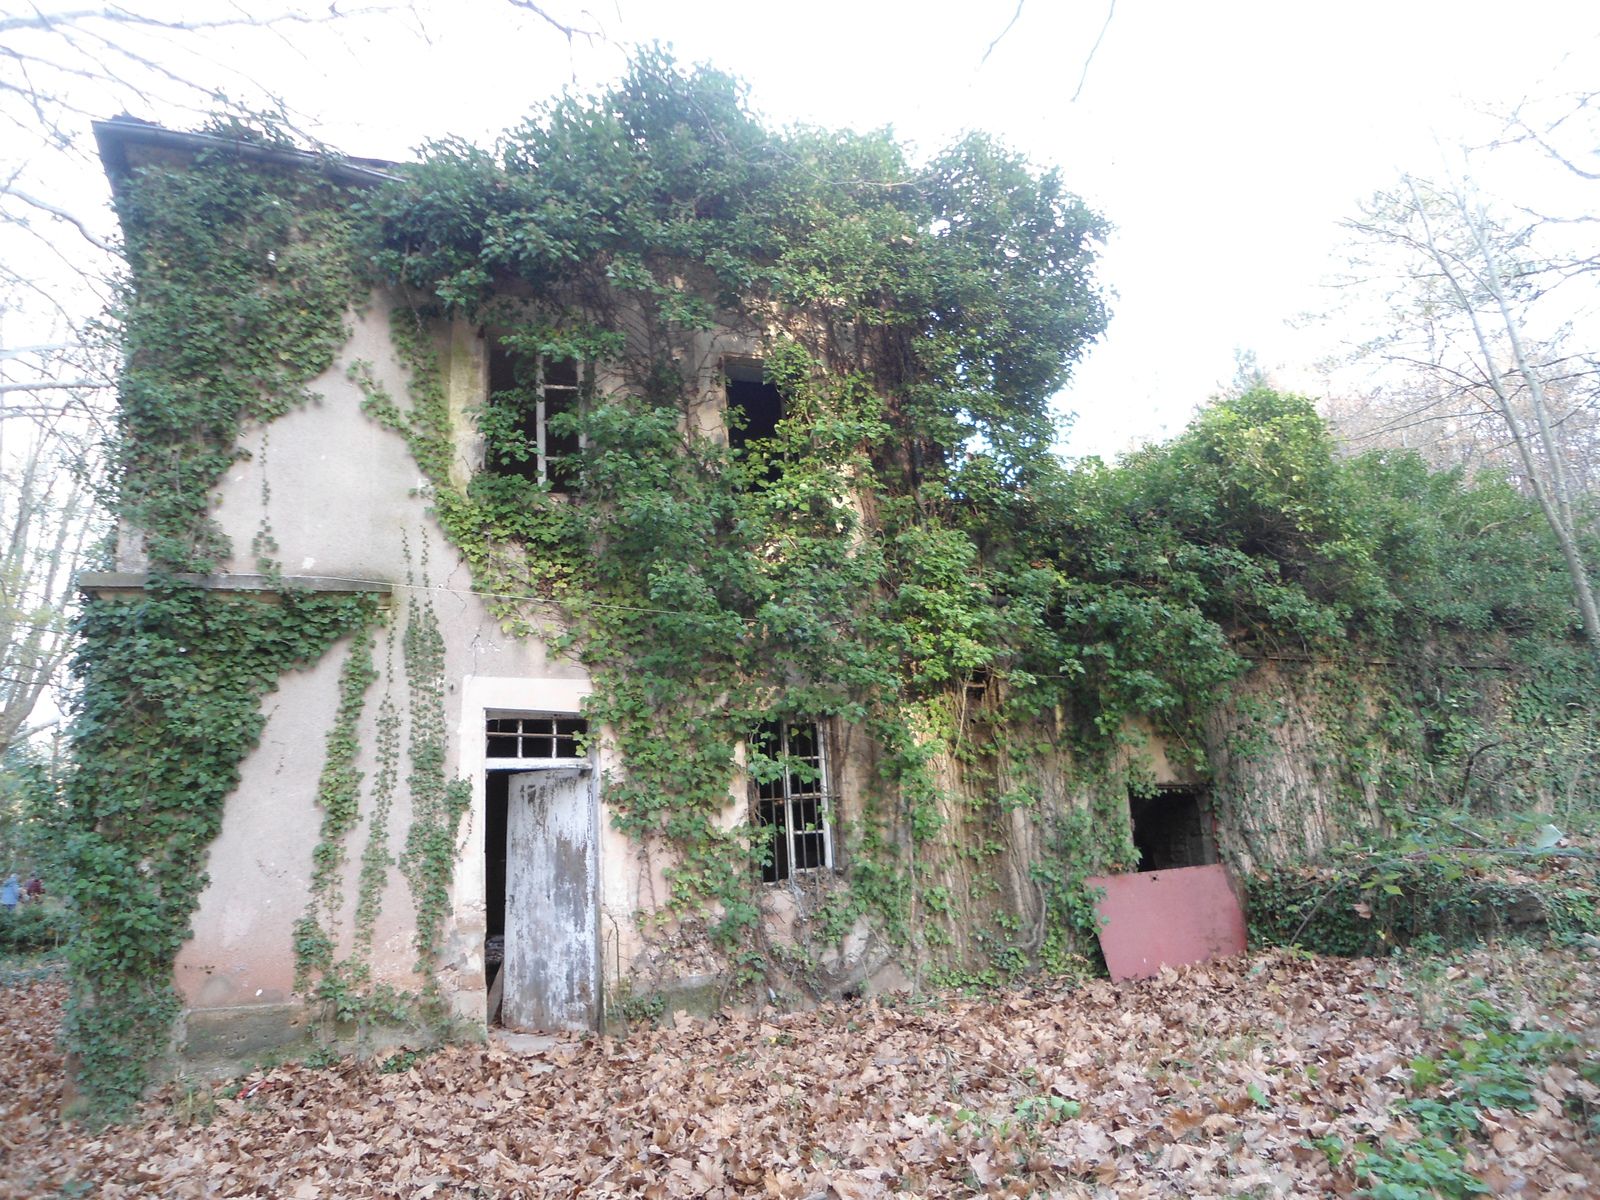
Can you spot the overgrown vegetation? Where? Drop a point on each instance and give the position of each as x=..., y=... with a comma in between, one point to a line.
x=1493, y=1062
x=901, y=554
x=243, y=283
x=1441, y=885
x=33, y=926
x=820, y=572
x=906, y=529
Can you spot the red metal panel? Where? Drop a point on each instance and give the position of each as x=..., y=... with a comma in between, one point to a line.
x=1167, y=918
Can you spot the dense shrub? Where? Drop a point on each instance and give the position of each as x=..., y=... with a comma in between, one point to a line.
x=33, y=927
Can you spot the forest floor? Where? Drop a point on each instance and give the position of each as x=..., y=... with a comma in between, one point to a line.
x=1269, y=1075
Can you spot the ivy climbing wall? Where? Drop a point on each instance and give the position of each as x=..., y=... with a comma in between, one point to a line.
x=344, y=548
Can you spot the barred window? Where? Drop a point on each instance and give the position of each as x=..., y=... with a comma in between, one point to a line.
x=540, y=737
x=789, y=778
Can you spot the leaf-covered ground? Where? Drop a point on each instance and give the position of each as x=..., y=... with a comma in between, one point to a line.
x=1262, y=1076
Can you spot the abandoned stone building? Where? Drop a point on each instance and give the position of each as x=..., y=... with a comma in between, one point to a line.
x=441, y=759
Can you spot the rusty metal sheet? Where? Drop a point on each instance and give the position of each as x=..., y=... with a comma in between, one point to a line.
x=1167, y=918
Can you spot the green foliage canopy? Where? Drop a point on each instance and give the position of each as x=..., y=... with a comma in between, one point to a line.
x=904, y=530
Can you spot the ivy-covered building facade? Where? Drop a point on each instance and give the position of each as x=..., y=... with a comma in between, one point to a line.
x=629, y=571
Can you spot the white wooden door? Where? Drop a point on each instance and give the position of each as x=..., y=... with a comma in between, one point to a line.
x=552, y=954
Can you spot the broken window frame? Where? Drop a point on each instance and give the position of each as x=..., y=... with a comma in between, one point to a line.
x=536, y=468
x=787, y=793
x=533, y=727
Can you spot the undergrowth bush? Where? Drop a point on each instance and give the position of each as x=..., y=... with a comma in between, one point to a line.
x=1434, y=898
x=33, y=927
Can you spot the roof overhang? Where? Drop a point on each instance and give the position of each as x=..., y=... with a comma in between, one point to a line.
x=127, y=142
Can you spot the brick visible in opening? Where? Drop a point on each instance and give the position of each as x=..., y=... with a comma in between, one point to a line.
x=1172, y=828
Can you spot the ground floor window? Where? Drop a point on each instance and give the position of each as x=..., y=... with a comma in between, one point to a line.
x=788, y=767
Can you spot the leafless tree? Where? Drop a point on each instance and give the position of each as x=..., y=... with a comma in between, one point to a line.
x=61, y=68
x=46, y=508
x=1483, y=325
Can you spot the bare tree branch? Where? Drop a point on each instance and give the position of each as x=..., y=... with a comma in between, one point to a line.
x=572, y=31
x=55, y=22
x=61, y=214
x=999, y=37
x=1460, y=287
x=1083, y=77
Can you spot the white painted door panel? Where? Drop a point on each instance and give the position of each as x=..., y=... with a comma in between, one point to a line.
x=552, y=929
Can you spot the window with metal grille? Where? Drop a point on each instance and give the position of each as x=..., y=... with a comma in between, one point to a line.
x=789, y=775
x=526, y=391
x=539, y=738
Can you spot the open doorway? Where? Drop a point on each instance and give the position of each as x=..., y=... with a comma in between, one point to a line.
x=1172, y=828
x=540, y=863
x=496, y=788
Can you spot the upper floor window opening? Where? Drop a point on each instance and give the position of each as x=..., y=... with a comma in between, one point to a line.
x=526, y=393
x=755, y=406
x=789, y=780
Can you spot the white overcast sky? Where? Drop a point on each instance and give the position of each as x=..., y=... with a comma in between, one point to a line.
x=1224, y=140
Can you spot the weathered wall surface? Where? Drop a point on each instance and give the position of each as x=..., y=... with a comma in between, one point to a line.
x=242, y=951
x=340, y=496
x=1283, y=782
x=328, y=491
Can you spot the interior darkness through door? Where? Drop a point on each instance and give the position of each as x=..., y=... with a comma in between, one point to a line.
x=1172, y=828
x=497, y=788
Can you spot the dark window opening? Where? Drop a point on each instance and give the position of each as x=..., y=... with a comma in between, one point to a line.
x=526, y=395
x=978, y=688
x=789, y=771
x=1172, y=828
x=754, y=406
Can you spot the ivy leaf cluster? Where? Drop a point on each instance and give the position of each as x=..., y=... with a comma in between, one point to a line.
x=172, y=685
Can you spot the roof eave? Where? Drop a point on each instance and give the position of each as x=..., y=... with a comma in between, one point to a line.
x=117, y=136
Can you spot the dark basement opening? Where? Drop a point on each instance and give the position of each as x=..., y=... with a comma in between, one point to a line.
x=1172, y=828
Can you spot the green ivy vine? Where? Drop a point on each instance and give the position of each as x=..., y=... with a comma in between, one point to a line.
x=243, y=282
x=172, y=684
x=437, y=801
x=904, y=537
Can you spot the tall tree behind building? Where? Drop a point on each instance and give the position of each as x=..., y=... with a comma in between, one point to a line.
x=1489, y=345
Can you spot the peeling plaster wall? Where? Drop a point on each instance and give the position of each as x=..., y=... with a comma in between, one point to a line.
x=342, y=497
x=242, y=949
x=339, y=496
